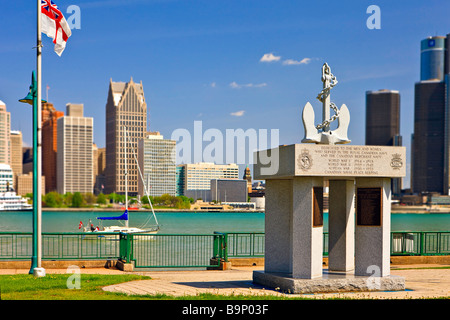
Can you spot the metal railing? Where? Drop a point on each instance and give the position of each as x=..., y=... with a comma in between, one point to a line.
x=172, y=250
x=184, y=250
x=60, y=246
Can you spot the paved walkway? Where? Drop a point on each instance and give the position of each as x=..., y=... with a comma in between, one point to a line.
x=420, y=283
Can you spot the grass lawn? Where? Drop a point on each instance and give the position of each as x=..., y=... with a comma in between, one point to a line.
x=54, y=287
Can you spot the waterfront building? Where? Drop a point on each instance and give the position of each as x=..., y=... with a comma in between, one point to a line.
x=229, y=191
x=248, y=177
x=125, y=107
x=5, y=132
x=25, y=184
x=99, y=169
x=156, y=157
x=430, y=143
x=27, y=159
x=6, y=177
x=75, y=154
x=383, y=124
x=198, y=176
x=50, y=118
x=179, y=173
x=16, y=155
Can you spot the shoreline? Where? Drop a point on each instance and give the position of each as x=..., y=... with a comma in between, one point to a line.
x=407, y=210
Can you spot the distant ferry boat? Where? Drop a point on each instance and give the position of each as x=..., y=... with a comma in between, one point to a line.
x=11, y=201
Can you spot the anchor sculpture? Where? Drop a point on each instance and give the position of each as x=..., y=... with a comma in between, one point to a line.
x=325, y=136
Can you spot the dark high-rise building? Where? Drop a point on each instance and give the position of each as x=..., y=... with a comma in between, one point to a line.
x=430, y=142
x=383, y=123
x=429, y=127
x=382, y=117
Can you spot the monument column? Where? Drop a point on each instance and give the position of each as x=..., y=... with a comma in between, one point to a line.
x=341, y=225
x=373, y=227
x=277, y=235
x=307, y=227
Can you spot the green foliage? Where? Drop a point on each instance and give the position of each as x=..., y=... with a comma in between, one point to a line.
x=77, y=200
x=53, y=200
x=101, y=199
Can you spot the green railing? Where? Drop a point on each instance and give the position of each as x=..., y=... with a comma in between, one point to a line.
x=241, y=244
x=172, y=250
x=60, y=246
x=184, y=250
x=420, y=243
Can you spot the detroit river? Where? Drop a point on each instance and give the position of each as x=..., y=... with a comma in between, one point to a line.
x=196, y=222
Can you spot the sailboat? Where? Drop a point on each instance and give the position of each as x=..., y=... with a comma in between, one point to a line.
x=125, y=217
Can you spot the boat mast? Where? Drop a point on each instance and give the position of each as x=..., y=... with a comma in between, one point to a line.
x=126, y=171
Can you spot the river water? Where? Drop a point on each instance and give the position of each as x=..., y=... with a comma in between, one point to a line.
x=195, y=222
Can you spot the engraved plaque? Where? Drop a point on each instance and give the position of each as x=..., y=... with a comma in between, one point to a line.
x=318, y=207
x=369, y=206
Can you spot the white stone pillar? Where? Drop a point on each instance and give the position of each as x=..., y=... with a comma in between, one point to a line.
x=307, y=239
x=341, y=225
x=278, y=216
x=372, y=234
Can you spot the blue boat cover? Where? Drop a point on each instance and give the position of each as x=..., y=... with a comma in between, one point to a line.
x=124, y=216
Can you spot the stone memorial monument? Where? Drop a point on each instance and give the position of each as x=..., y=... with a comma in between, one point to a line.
x=359, y=222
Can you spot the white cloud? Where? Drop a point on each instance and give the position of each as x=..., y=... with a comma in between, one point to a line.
x=238, y=113
x=235, y=85
x=269, y=57
x=213, y=84
x=289, y=62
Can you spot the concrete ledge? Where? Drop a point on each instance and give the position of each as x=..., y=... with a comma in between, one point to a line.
x=59, y=264
x=123, y=266
x=403, y=260
x=330, y=282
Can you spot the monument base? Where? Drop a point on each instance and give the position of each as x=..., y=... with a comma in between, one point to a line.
x=329, y=283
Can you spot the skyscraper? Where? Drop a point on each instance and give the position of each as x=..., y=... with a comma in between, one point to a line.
x=430, y=142
x=157, y=162
x=75, y=167
x=383, y=118
x=16, y=155
x=50, y=118
x=5, y=132
x=383, y=123
x=125, y=107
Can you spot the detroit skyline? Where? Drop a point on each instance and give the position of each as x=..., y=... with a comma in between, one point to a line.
x=229, y=64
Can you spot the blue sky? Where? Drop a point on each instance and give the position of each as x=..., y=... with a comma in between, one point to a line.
x=200, y=60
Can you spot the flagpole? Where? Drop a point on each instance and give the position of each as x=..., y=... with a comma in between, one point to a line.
x=38, y=271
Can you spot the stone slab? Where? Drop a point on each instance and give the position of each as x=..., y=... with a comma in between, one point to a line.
x=332, y=161
x=330, y=282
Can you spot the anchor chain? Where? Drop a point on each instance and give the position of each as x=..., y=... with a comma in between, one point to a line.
x=326, y=74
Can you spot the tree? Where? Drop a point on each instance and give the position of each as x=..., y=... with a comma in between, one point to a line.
x=53, y=200
x=89, y=198
x=77, y=200
x=67, y=198
x=101, y=199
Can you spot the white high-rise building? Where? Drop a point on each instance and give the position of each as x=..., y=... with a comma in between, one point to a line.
x=198, y=176
x=5, y=132
x=6, y=177
x=75, y=167
x=157, y=162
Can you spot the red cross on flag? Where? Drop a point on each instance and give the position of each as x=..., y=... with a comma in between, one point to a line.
x=54, y=25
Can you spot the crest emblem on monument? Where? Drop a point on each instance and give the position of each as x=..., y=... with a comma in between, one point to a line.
x=321, y=133
x=396, y=161
x=305, y=160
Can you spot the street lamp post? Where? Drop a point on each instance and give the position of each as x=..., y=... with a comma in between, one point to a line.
x=36, y=258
